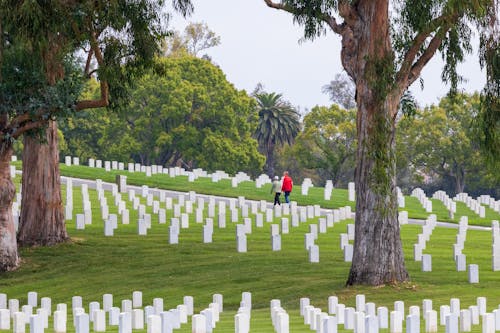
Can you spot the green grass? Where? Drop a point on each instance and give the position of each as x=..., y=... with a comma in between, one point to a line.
x=92, y=265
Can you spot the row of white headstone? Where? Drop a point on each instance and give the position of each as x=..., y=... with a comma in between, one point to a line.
x=422, y=198
x=458, y=256
x=131, y=316
x=363, y=317
x=366, y=317
x=283, y=228
x=472, y=204
x=158, y=169
x=475, y=205
x=181, y=220
x=449, y=203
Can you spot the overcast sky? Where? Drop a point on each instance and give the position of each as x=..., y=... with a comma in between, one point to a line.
x=260, y=44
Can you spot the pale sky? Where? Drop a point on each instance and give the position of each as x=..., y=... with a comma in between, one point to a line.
x=260, y=44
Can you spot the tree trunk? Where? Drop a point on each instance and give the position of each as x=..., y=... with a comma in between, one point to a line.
x=459, y=180
x=42, y=215
x=270, y=160
x=378, y=255
x=9, y=259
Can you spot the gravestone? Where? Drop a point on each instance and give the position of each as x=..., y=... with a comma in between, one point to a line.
x=444, y=311
x=383, y=317
x=465, y=320
x=285, y=229
x=426, y=263
x=173, y=233
x=430, y=318
x=241, y=323
x=360, y=302
x=241, y=243
x=396, y=322
x=4, y=319
x=314, y=254
x=349, y=318
x=99, y=321
x=60, y=321
x=114, y=316
x=340, y=313
x=473, y=273
x=359, y=322
x=82, y=323
x=371, y=324
x=276, y=242
x=207, y=233
x=412, y=324
x=460, y=262
x=199, y=324
x=259, y=220
x=348, y=251
x=18, y=322
x=451, y=324
x=125, y=322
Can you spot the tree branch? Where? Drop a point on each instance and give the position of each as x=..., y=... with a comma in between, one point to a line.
x=104, y=100
x=410, y=70
x=416, y=69
x=330, y=20
x=87, y=71
x=28, y=126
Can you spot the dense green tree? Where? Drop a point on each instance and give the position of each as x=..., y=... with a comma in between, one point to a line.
x=279, y=124
x=440, y=146
x=183, y=113
x=327, y=143
x=385, y=46
x=118, y=37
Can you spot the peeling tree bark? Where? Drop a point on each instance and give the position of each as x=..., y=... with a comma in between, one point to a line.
x=9, y=259
x=42, y=220
x=378, y=255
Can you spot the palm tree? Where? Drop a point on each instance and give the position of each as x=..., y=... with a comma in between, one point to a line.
x=278, y=124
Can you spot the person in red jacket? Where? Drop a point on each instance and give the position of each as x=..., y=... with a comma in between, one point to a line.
x=286, y=186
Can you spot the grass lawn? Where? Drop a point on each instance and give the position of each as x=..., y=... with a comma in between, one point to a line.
x=92, y=265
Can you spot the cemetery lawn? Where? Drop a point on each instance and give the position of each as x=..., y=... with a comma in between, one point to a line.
x=248, y=189
x=92, y=265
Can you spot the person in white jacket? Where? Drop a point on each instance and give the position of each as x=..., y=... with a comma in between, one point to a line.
x=276, y=189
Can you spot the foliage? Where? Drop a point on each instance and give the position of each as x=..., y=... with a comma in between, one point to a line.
x=196, y=38
x=327, y=144
x=488, y=120
x=24, y=89
x=440, y=144
x=183, y=112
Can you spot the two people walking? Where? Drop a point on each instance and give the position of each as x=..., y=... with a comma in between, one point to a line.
x=285, y=186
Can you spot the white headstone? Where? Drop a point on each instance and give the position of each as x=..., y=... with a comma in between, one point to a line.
x=473, y=273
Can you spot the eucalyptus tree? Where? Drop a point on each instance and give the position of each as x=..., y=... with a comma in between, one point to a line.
x=385, y=46
x=278, y=124
x=118, y=39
